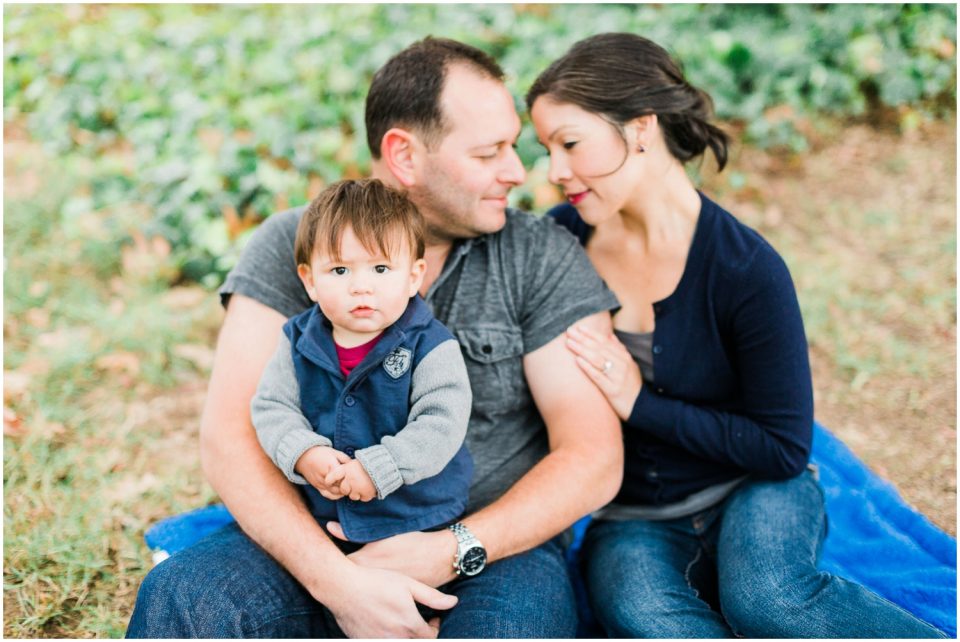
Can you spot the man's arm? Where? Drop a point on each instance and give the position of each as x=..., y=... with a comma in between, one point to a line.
x=271, y=511
x=581, y=473
x=583, y=469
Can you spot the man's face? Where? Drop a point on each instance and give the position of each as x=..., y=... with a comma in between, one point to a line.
x=463, y=181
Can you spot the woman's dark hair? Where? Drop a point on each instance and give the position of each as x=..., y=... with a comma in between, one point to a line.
x=622, y=76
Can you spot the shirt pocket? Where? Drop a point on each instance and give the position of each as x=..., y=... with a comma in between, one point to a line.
x=494, y=358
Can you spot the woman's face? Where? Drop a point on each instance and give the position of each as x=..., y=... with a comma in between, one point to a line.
x=589, y=158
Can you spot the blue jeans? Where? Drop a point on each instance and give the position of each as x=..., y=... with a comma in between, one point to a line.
x=746, y=567
x=226, y=586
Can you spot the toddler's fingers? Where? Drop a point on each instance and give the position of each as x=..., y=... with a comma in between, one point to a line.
x=335, y=475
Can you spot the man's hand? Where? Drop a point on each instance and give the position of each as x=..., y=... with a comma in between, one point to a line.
x=352, y=481
x=382, y=604
x=316, y=464
x=426, y=557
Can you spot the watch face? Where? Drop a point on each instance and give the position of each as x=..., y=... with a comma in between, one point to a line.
x=473, y=561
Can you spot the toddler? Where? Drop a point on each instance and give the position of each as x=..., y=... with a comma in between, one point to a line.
x=367, y=396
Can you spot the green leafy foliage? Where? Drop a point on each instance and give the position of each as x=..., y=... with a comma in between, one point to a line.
x=213, y=117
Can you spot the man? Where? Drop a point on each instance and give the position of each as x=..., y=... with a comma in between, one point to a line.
x=547, y=448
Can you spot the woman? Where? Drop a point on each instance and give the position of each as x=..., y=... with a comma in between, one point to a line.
x=718, y=525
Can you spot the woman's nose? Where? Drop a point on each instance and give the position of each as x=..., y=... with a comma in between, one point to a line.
x=559, y=171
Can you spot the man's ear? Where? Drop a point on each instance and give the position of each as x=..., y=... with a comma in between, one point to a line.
x=306, y=277
x=417, y=272
x=399, y=149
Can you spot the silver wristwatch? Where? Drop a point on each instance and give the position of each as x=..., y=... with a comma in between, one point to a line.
x=471, y=557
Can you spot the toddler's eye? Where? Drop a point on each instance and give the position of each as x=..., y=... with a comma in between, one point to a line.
x=339, y=271
x=381, y=269
x=570, y=144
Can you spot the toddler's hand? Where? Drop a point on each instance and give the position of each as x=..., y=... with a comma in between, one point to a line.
x=353, y=481
x=316, y=463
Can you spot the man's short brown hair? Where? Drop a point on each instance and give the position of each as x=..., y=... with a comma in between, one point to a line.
x=380, y=216
x=405, y=91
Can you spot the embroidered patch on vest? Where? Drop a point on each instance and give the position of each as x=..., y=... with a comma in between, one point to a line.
x=398, y=362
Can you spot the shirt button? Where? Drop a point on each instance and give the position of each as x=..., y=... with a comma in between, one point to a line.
x=486, y=349
x=349, y=400
x=660, y=390
x=657, y=349
x=652, y=474
x=349, y=450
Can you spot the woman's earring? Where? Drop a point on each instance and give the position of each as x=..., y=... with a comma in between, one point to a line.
x=641, y=148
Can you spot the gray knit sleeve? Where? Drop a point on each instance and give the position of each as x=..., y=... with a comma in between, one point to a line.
x=283, y=431
x=440, y=402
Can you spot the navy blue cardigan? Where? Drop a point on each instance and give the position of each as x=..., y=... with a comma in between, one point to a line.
x=731, y=392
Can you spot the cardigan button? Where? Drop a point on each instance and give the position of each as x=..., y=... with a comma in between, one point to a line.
x=657, y=349
x=660, y=390
x=349, y=400
x=349, y=450
x=657, y=308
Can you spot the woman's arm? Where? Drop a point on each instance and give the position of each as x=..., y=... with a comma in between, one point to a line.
x=773, y=433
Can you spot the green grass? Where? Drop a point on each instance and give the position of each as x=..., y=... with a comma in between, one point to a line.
x=88, y=346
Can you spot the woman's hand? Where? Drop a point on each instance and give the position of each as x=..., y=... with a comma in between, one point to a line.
x=608, y=364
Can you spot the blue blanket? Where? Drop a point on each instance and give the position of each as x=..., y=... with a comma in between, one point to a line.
x=874, y=538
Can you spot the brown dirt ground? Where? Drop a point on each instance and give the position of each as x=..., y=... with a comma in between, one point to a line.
x=867, y=223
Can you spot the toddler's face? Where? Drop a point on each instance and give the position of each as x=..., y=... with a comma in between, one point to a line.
x=362, y=293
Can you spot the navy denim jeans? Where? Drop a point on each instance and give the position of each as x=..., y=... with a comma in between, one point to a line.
x=744, y=568
x=226, y=586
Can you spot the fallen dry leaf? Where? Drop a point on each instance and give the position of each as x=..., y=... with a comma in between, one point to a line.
x=545, y=195
x=15, y=384
x=12, y=426
x=122, y=361
x=184, y=298
x=315, y=185
x=35, y=366
x=38, y=288
x=49, y=429
x=38, y=318
x=131, y=486
x=64, y=336
x=145, y=257
x=198, y=354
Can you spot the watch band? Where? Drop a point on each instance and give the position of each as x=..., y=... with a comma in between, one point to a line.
x=463, y=533
x=471, y=556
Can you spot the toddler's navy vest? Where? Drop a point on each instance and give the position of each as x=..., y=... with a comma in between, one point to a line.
x=373, y=402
